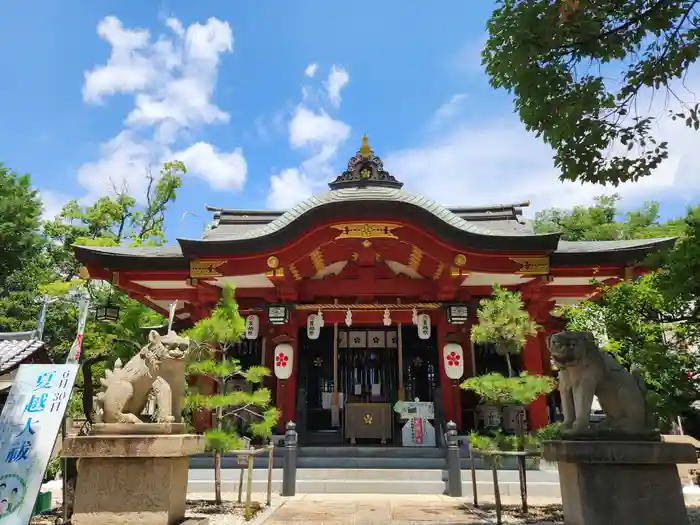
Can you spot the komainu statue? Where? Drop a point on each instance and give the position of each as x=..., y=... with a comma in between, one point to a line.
x=158, y=367
x=586, y=371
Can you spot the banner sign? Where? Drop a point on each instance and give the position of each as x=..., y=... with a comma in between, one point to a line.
x=77, y=348
x=29, y=424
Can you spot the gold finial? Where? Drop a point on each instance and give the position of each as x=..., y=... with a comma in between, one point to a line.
x=365, y=150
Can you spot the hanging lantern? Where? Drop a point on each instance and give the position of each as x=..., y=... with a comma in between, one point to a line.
x=453, y=357
x=348, y=318
x=252, y=327
x=284, y=361
x=387, y=317
x=424, y=326
x=313, y=326
x=107, y=313
x=278, y=314
x=457, y=313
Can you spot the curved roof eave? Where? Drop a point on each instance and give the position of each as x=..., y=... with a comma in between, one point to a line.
x=158, y=258
x=369, y=203
x=613, y=253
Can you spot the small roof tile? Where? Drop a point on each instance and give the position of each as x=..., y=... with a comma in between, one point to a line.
x=14, y=351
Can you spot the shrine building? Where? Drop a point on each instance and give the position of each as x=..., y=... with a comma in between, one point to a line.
x=365, y=295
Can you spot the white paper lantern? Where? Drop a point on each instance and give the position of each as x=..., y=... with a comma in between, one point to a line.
x=252, y=327
x=423, y=326
x=453, y=357
x=284, y=361
x=313, y=326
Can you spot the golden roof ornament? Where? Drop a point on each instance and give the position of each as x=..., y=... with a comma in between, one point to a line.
x=365, y=169
x=365, y=150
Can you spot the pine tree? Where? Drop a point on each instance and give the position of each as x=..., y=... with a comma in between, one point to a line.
x=215, y=336
x=504, y=322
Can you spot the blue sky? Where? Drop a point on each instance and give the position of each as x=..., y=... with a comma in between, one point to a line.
x=265, y=101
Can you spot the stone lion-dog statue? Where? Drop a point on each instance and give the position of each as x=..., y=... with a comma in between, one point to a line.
x=159, y=367
x=586, y=371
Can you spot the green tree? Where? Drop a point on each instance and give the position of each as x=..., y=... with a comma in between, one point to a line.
x=216, y=335
x=20, y=218
x=504, y=323
x=113, y=221
x=576, y=69
x=601, y=222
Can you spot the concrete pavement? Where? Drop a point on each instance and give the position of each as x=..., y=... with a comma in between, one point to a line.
x=366, y=509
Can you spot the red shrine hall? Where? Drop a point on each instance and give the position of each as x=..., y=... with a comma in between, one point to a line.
x=361, y=299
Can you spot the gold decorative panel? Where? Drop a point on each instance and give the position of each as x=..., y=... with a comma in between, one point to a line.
x=273, y=262
x=366, y=230
x=203, y=268
x=438, y=271
x=415, y=258
x=316, y=257
x=295, y=272
x=533, y=265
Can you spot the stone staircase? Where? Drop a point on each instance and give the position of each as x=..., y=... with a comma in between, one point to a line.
x=378, y=470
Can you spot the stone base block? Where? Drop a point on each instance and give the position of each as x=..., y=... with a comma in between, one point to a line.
x=131, y=479
x=620, y=483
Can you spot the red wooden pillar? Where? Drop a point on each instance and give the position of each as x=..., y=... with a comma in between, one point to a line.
x=451, y=398
x=532, y=362
x=534, y=355
x=287, y=388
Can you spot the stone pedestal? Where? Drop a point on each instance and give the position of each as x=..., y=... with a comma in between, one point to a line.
x=620, y=482
x=126, y=479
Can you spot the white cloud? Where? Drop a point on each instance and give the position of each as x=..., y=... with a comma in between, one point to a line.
x=223, y=171
x=337, y=80
x=310, y=70
x=288, y=188
x=498, y=161
x=171, y=79
x=315, y=132
x=52, y=202
x=315, y=128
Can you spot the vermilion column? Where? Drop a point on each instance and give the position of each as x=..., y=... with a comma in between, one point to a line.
x=532, y=362
x=451, y=398
x=287, y=388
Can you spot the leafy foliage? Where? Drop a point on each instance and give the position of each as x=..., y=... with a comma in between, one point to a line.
x=499, y=441
x=20, y=216
x=600, y=222
x=576, y=69
x=504, y=322
x=496, y=389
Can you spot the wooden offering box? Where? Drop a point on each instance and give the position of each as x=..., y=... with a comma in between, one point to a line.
x=368, y=421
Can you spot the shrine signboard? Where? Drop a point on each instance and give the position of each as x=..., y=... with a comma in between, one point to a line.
x=29, y=425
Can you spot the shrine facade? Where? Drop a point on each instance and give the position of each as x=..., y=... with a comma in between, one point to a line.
x=364, y=296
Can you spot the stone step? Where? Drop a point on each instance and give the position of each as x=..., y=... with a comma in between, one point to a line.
x=372, y=452
x=536, y=489
x=376, y=475
x=338, y=458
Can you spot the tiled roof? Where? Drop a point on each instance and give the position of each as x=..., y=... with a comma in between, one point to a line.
x=608, y=246
x=254, y=227
x=237, y=224
x=14, y=350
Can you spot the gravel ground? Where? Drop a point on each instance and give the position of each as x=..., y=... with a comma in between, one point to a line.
x=228, y=513
x=198, y=506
